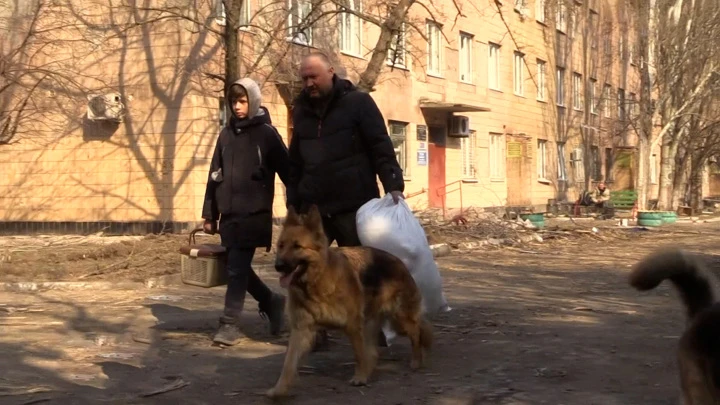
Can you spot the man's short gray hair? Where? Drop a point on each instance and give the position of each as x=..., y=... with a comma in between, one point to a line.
x=320, y=55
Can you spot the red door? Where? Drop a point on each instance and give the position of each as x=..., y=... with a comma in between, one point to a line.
x=436, y=169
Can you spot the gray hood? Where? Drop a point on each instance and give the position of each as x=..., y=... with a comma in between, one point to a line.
x=254, y=96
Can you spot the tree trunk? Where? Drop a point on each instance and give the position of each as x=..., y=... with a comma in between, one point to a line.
x=388, y=30
x=696, y=182
x=668, y=152
x=681, y=176
x=646, y=18
x=231, y=38
x=643, y=171
x=588, y=163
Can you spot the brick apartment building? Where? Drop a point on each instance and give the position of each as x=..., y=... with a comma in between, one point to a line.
x=497, y=101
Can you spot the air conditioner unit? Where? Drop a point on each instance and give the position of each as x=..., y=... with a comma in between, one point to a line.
x=105, y=107
x=459, y=126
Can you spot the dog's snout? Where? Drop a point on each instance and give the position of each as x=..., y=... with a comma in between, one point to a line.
x=280, y=264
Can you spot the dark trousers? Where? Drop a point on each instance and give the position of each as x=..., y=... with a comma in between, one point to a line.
x=342, y=229
x=241, y=276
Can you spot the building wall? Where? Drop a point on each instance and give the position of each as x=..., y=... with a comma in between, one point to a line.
x=150, y=167
x=399, y=92
x=154, y=165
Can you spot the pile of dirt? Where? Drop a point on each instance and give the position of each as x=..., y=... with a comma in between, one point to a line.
x=93, y=258
x=474, y=229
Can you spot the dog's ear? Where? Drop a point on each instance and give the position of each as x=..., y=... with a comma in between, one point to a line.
x=292, y=217
x=313, y=219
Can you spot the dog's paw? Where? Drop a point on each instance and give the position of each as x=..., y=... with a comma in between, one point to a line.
x=274, y=393
x=357, y=381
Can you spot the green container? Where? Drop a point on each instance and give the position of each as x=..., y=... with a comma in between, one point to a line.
x=669, y=217
x=652, y=215
x=537, y=219
x=650, y=222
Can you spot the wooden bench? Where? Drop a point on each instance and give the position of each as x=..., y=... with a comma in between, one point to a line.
x=623, y=199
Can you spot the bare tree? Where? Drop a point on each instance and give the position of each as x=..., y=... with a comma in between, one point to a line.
x=688, y=67
x=700, y=147
x=34, y=84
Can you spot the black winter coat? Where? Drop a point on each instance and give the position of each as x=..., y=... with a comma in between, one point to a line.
x=249, y=152
x=335, y=156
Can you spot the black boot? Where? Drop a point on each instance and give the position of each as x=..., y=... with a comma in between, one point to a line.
x=274, y=312
x=229, y=333
x=382, y=342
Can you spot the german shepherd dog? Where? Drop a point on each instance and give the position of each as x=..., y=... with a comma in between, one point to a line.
x=353, y=289
x=699, y=349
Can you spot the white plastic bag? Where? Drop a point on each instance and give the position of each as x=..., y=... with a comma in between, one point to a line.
x=391, y=227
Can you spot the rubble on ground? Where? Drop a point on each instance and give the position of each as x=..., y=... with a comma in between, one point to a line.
x=474, y=229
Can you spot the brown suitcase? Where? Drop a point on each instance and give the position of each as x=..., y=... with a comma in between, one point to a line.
x=202, y=265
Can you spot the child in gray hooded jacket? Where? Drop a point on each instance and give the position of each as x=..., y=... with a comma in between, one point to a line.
x=240, y=193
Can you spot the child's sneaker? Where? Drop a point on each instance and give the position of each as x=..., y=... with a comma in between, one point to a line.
x=229, y=333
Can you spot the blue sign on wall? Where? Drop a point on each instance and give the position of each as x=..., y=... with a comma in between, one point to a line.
x=422, y=158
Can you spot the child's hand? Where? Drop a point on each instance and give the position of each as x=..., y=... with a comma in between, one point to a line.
x=210, y=227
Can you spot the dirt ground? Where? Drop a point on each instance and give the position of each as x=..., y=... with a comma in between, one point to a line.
x=550, y=322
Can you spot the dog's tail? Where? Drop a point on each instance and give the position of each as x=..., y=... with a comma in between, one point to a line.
x=685, y=272
x=426, y=334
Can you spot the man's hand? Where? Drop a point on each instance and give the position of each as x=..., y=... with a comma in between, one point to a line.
x=396, y=196
x=210, y=227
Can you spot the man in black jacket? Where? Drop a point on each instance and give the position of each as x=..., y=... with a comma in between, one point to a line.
x=240, y=193
x=339, y=145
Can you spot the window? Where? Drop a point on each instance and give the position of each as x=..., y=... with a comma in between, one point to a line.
x=467, y=146
x=621, y=46
x=494, y=66
x=351, y=29
x=222, y=112
x=541, y=79
x=434, y=51
x=300, y=32
x=592, y=91
x=621, y=104
x=497, y=161
x=540, y=10
x=560, y=86
x=633, y=106
x=578, y=166
x=396, y=53
x=466, y=41
x=220, y=16
x=561, y=17
x=542, y=159
x=609, y=162
x=607, y=103
x=577, y=91
x=596, y=163
x=593, y=29
x=608, y=34
x=561, y=169
x=398, y=136
x=561, y=122
x=653, y=169
x=519, y=71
